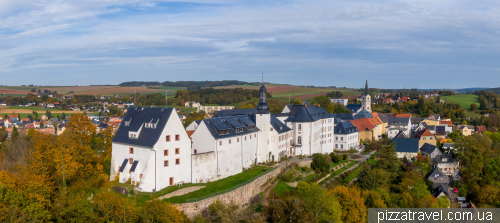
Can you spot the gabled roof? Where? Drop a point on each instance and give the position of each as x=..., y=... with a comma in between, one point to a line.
x=423, y=132
x=438, y=190
x=383, y=118
x=278, y=125
x=345, y=128
x=428, y=148
x=448, y=123
x=303, y=113
x=230, y=123
x=480, y=128
x=406, y=145
x=189, y=133
x=136, y=117
x=343, y=116
x=403, y=115
x=401, y=135
x=399, y=120
x=353, y=107
x=362, y=124
x=445, y=158
x=435, y=173
x=363, y=114
x=415, y=120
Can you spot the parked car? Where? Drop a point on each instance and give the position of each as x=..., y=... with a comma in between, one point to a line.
x=455, y=190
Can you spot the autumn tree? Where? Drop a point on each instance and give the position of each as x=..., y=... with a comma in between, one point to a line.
x=352, y=203
x=325, y=207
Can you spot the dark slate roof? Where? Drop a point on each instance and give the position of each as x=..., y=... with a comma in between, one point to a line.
x=439, y=189
x=428, y=148
x=439, y=158
x=398, y=120
x=440, y=129
x=383, y=118
x=137, y=116
x=433, y=173
x=233, y=112
x=415, y=120
x=302, y=113
x=363, y=114
x=122, y=167
x=353, y=107
x=406, y=145
x=345, y=128
x=134, y=165
x=401, y=134
x=197, y=121
x=343, y=116
x=214, y=125
x=278, y=125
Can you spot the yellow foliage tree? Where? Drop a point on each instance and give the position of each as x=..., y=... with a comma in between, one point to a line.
x=352, y=203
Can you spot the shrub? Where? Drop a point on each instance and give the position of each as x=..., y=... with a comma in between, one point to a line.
x=317, y=171
x=257, y=199
x=323, y=174
x=304, y=168
x=319, y=161
x=287, y=177
x=335, y=158
x=344, y=157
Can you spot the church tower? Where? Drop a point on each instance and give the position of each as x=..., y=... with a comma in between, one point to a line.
x=366, y=100
x=263, y=122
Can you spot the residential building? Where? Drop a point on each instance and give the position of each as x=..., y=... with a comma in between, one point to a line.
x=425, y=136
x=192, y=104
x=213, y=109
x=430, y=151
x=449, y=146
x=398, y=124
x=435, y=117
x=438, y=178
x=346, y=136
x=193, y=126
x=340, y=101
x=365, y=129
x=447, y=164
x=465, y=130
x=406, y=147
x=480, y=128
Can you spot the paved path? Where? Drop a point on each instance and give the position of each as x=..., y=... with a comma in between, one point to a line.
x=361, y=161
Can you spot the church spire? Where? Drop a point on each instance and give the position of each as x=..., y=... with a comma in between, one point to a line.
x=366, y=87
x=263, y=106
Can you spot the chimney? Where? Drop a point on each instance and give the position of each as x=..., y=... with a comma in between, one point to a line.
x=306, y=106
x=318, y=105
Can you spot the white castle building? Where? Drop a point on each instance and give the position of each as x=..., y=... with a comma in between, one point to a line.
x=152, y=148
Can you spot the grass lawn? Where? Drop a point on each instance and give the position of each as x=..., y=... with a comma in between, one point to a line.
x=171, y=88
x=353, y=175
x=470, y=114
x=220, y=185
x=13, y=95
x=337, y=172
x=464, y=100
x=281, y=187
x=310, y=177
x=372, y=161
x=23, y=115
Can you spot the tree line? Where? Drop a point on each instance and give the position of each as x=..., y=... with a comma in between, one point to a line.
x=188, y=84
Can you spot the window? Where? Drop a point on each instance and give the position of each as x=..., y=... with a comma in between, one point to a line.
x=140, y=176
x=431, y=138
x=254, y=135
x=176, y=150
x=229, y=141
x=177, y=161
x=424, y=138
x=300, y=126
x=220, y=143
x=130, y=161
x=246, y=138
x=165, y=152
x=165, y=163
x=341, y=138
x=168, y=138
x=237, y=139
x=195, y=151
x=177, y=137
x=171, y=181
x=131, y=150
x=336, y=138
x=250, y=136
x=271, y=129
x=341, y=146
x=132, y=136
x=299, y=140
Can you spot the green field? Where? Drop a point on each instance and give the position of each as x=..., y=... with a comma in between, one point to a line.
x=34, y=108
x=281, y=187
x=464, y=100
x=171, y=88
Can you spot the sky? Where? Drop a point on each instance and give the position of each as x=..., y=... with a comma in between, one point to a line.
x=392, y=43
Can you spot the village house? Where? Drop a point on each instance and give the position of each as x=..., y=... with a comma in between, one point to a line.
x=465, y=130
x=192, y=104
x=439, y=179
x=430, y=151
x=406, y=147
x=346, y=135
x=397, y=124
x=447, y=164
x=425, y=136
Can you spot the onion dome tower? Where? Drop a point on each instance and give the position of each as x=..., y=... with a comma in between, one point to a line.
x=262, y=106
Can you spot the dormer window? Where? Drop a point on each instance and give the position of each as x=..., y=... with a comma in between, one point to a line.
x=127, y=123
x=445, y=159
x=133, y=136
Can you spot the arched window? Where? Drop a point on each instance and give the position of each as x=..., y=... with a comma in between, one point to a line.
x=299, y=140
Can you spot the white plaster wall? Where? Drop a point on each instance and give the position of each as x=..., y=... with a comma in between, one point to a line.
x=203, y=141
x=182, y=172
x=192, y=126
x=249, y=149
x=229, y=157
x=120, y=152
x=204, y=167
x=346, y=140
x=263, y=122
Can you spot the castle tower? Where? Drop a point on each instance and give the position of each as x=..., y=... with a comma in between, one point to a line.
x=366, y=100
x=262, y=106
x=263, y=122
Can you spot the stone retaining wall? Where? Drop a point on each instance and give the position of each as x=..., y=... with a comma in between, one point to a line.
x=305, y=162
x=181, y=192
x=240, y=196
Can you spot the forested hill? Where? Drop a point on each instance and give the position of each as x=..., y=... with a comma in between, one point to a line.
x=188, y=84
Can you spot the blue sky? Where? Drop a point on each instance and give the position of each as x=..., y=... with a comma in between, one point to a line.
x=393, y=43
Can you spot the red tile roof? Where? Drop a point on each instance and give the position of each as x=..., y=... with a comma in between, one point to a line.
x=424, y=132
x=480, y=128
x=362, y=124
x=190, y=132
x=403, y=115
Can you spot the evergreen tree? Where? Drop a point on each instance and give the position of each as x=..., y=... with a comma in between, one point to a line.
x=366, y=179
x=319, y=162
